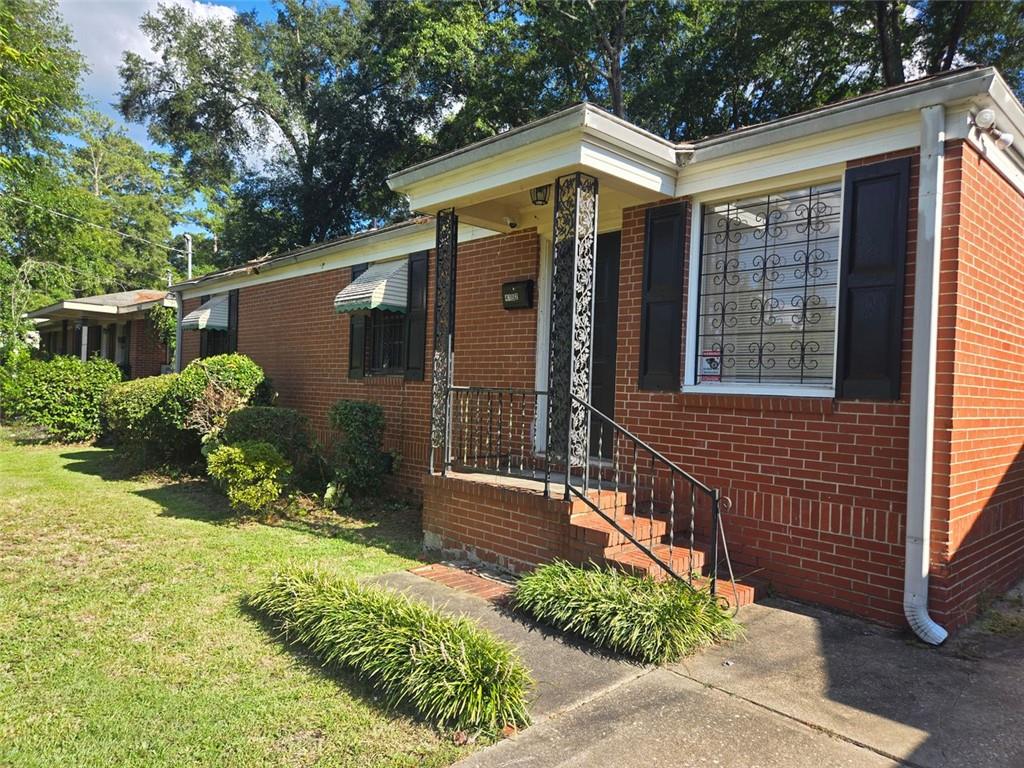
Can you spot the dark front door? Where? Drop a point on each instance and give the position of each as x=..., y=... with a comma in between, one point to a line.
x=606, y=315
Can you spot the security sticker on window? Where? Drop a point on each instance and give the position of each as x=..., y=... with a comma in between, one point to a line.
x=711, y=365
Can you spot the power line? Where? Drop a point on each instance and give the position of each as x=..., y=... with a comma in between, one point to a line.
x=97, y=226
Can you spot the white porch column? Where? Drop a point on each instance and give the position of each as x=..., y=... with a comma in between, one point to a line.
x=84, y=345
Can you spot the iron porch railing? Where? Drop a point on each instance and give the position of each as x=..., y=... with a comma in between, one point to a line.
x=623, y=479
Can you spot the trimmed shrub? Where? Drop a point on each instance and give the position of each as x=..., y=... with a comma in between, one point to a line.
x=253, y=474
x=284, y=428
x=359, y=461
x=210, y=388
x=62, y=395
x=653, y=622
x=132, y=410
x=143, y=414
x=448, y=670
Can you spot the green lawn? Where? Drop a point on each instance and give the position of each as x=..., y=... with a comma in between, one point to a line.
x=123, y=641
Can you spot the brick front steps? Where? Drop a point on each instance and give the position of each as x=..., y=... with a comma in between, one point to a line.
x=593, y=539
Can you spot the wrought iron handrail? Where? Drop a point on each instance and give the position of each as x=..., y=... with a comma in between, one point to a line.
x=597, y=472
x=494, y=430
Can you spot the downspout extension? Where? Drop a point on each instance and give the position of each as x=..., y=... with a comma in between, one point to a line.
x=177, y=332
x=922, y=378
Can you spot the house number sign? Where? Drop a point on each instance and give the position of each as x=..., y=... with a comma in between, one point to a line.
x=517, y=295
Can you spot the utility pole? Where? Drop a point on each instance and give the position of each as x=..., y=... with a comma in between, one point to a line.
x=188, y=253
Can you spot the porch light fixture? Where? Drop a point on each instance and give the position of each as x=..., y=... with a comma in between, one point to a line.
x=985, y=120
x=540, y=195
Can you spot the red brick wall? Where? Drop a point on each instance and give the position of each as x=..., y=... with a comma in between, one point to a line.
x=495, y=347
x=189, y=339
x=513, y=529
x=290, y=328
x=980, y=525
x=146, y=354
x=818, y=486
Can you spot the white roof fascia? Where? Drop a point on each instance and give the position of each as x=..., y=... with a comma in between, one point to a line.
x=386, y=245
x=912, y=98
x=582, y=136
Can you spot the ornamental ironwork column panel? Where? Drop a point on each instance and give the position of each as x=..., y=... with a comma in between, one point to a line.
x=447, y=238
x=574, y=252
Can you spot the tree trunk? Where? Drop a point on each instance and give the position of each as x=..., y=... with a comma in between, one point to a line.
x=963, y=10
x=890, y=47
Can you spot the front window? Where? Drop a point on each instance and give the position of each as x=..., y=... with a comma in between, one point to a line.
x=386, y=334
x=768, y=289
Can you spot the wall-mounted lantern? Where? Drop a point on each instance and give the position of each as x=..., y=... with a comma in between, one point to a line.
x=539, y=195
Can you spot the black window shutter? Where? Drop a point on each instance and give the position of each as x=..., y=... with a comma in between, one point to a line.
x=202, y=333
x=416, y=316
x=357, y=336
x=874, y=255
x=233, y=321
x=661, y=316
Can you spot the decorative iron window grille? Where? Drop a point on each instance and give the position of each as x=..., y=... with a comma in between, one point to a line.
x=386, y=337
x=769, y=277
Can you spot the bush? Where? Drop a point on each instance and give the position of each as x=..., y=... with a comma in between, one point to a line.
x=62, y=395
x=284, y=428
x=253, y=473
x=143, y=414
x=131, y=410
x=653, y=622
x=448, y=670
x=210, y=388
x=360, y=464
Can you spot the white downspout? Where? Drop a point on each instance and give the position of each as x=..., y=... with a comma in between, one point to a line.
x=922, y=377
x=177, y=332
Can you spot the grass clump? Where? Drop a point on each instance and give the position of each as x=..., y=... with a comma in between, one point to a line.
x=653, y=622
x=448, y=670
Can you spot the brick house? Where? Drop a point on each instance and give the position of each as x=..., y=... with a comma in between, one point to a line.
x=114, y=326
x=798, y=339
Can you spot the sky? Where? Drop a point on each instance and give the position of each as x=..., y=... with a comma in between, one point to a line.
x=104, y=29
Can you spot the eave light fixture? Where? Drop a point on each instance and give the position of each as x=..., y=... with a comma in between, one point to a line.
x=540, y=195
x=985, y=121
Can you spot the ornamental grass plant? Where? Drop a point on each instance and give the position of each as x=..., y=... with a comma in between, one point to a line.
x=447, y=670
x=650, y=621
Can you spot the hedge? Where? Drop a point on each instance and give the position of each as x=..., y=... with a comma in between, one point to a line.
x=253, y=473
x=62, y=395
x=651, y=621
x=144, y=415
x=284, y=428
x=448, y=670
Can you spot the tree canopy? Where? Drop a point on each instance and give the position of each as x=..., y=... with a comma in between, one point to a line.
x=279, y=130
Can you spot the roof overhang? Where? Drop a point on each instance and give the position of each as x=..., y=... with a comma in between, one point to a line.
x=584, y=138
x=374, y=245
x=70, y=309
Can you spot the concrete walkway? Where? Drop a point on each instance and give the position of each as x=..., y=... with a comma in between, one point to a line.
x=804, y=688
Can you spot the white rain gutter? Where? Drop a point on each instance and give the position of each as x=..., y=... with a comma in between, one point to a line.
x=922, y=377
x=179, y=306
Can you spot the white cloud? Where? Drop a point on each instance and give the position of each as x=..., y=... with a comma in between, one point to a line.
x=105, y=29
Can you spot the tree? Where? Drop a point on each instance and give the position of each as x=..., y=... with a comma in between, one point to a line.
x=39, y=71
x=320, y=85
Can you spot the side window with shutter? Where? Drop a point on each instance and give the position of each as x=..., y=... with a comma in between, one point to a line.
x=357, y=337
x=874, y=251
x=416, y=316
x=661, y=313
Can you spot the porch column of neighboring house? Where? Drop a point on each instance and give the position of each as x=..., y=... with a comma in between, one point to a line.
x=446, y=245
x=84, y=340
x=574, y=253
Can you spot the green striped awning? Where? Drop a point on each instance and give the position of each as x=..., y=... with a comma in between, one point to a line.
x=211, y=316
x=382, y=286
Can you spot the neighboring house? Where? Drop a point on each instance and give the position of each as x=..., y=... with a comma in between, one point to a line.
x=817, y=318
x=113, y=326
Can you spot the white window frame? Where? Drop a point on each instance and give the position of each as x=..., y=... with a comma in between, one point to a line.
x=697, y=203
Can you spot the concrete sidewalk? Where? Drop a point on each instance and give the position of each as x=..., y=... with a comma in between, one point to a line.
x=805, y=687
